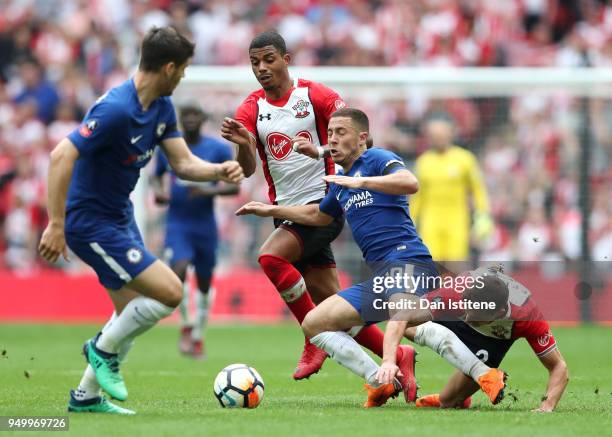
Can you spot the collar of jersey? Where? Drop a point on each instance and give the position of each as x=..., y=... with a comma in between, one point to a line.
x=354, y=164
x=282, y=101
x=135, y=95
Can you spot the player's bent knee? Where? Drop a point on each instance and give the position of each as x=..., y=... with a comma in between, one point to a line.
x=175, y=293
x=268, y=259
x=172, y=292
x=308, y=327
x=319, y=294
x=451, y=402
x=311, y=325
x=455, y=398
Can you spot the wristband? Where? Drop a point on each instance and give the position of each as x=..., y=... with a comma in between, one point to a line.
x=321, y=151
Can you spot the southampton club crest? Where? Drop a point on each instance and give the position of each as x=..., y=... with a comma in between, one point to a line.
x=301, y=109
x=544, y=339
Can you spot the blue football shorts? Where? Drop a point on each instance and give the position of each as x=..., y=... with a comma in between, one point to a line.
x=198, y=247
x=116, y=253
x=413, y=276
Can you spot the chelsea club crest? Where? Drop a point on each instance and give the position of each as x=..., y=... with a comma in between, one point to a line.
x=161, y=127
x=134, y=255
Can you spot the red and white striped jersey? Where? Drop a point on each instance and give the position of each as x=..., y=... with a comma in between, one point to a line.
x=293, y=178
x=523, y=318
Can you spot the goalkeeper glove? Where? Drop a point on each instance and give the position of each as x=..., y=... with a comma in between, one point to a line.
x=482, y=227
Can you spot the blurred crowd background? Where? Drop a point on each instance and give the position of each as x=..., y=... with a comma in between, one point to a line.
x=57, y=56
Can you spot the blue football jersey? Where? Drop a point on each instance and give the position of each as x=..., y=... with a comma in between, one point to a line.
x=116, y=139
x=184, y=207
x=380, y=223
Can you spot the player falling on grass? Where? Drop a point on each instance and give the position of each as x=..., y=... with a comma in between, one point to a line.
x=191, y=230
x=372, y=194
x=91, y=175
x=296, y=258
x=490, y=333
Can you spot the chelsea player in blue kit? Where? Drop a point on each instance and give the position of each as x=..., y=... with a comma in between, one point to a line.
x=371, y=194
x=91, y=175
x=191, y=229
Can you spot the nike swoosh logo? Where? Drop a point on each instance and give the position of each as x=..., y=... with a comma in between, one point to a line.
x=135, y=139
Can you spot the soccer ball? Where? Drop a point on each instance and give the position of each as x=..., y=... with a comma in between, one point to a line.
x=238, y=386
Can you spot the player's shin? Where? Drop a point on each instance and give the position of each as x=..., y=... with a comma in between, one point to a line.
x=88, y=387
x=138, y=316
x=370, y=337
x=446, y=344
x=201, y=319
x=289, y=283
x=184, y=306
x=347, y=352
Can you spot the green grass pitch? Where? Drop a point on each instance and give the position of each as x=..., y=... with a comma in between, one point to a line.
x=173, y=395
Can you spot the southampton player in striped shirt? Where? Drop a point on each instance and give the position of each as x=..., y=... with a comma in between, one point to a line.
x=371, y=194
x=91, y=175
x=285, y=122
x=491, y=333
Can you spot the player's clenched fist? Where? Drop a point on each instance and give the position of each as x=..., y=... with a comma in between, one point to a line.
x=256, y=208
x=230, y=171
x=53, y=243
x=305, y=147
x=235, y=132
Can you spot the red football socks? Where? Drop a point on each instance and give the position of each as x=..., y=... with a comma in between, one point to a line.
x=287, y=280
x=371, y=337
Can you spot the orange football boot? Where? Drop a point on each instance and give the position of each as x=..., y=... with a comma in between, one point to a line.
x=429, y=401
x=493, y=384
x=378, y=396
x=433, y=401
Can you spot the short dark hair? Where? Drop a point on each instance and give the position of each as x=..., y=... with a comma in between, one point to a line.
x=269, y=38
x=162, y=45
x=192, y=107
x=491, y=289
x=359, y=118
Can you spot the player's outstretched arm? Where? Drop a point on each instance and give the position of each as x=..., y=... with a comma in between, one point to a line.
x=61, y=164
x=309, y=215
x=235, y=132
x=397, y=183
x=393, y=336
x=558, y=377
x=189, y=167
